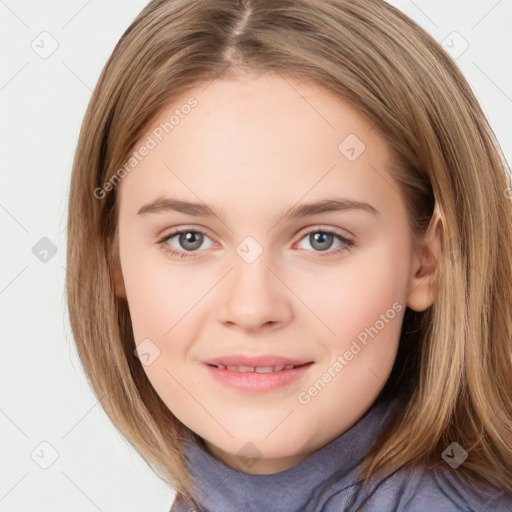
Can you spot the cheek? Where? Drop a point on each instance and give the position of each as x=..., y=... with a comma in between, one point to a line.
x=355, y=295
x=159, y=293
x=160, y=305
x=161, y=302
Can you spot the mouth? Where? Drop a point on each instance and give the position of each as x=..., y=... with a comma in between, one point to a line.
x=258, y=369
x=266, y=373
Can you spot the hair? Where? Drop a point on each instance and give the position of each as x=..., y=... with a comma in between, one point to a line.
x=454, y=361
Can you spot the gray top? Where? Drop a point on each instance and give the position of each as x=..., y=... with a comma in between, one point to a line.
x=327, y=481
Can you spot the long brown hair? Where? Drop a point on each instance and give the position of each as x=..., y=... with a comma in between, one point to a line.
x=455, y=358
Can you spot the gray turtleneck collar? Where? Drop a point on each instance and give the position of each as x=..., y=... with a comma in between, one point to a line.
x=328, y=481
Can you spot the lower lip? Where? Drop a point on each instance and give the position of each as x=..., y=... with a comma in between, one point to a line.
x=259, y=382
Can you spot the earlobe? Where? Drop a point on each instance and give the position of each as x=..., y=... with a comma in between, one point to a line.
x=422, y=285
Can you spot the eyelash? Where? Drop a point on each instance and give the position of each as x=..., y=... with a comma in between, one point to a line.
x=347, y=243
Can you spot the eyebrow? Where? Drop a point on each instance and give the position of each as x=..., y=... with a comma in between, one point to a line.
x=302, y=210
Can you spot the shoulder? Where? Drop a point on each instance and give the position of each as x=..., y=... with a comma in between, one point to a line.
x=418, y=490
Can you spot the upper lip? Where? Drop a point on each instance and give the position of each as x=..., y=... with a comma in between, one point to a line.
x=256, y=361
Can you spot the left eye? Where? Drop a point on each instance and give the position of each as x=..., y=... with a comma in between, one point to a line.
x=322, y=240
x=191, y=240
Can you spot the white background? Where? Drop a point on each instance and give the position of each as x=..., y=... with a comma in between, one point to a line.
x=44, y=395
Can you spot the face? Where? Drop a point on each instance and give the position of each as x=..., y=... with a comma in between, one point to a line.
x=260, y=275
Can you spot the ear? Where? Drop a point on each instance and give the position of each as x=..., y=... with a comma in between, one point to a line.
x=422, y=283
x=117, y=274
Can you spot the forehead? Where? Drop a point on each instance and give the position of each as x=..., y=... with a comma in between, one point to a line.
x=253, y=138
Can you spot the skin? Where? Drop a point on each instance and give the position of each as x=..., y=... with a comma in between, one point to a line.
x=255, y=146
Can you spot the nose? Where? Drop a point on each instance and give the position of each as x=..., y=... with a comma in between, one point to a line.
x=254, y=297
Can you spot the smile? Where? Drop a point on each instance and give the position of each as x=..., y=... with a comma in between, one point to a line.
x=257, y=369
x=257, y=378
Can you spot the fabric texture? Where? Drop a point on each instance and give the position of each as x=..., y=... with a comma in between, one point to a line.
x=327, y=480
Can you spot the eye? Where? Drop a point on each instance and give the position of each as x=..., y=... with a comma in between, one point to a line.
x=321, y=240
x=188, y=240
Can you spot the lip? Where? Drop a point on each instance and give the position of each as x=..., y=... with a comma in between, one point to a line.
x=253, y=381
x=263, y=360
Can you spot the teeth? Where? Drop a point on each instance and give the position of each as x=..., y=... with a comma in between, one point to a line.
x=242, y=369
x=268, y=369
x=257, y=369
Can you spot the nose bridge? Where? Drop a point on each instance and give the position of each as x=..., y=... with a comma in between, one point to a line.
x=254, y=295
x=251, y=268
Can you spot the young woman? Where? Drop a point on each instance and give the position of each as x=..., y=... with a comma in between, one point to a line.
x=289, y=247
